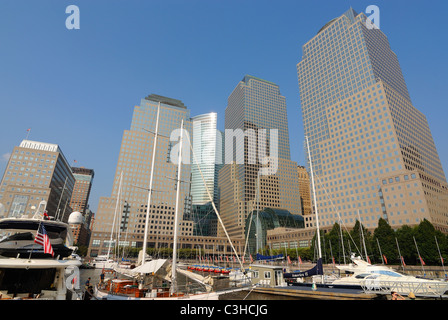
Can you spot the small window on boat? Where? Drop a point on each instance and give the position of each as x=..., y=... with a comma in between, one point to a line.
x=361, y=276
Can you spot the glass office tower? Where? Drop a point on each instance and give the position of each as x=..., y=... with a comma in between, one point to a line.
x=207, y=146
x=208, y=150
x=372, y=150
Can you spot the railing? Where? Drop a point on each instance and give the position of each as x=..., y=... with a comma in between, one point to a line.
x=419, y=288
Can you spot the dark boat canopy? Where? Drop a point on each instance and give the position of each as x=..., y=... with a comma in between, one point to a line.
x=54, y=228
x=316, y=270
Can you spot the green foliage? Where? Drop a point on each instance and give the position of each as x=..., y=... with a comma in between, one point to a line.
x=383, y=242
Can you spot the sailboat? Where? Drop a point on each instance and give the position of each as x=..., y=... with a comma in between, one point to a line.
x=291, y=277
x=155, y=274
x=105, y=262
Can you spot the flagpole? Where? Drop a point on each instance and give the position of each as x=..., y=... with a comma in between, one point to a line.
x=27, y=133
x=38, y=227
x=441, y=259
x=421, y=260
x=399, y=253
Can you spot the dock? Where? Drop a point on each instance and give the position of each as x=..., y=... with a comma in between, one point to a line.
x=306, y=293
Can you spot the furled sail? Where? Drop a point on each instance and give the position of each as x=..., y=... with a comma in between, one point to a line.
x=316, y=270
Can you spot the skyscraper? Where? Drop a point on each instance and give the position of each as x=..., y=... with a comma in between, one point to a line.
x=207, y=146
x=372, y=150
x=132, y=180
x=258, y=172
x=208, y=150
x=37, y=171
x=81, y=189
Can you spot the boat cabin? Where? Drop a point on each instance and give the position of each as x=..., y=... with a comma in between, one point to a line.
x=267, y=275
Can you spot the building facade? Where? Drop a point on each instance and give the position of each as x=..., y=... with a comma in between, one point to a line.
x=304, y=190
x=208, y=148
x=208, y=160
x=81, y=190
x=372, y=150
x=126, y=208
x=258, y=172
x=37, y=171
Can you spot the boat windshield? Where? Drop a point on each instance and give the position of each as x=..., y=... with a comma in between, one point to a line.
x=387, y=273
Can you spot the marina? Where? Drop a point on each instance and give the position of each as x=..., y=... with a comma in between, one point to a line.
x=205, y=219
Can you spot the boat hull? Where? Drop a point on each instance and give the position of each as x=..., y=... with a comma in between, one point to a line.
x=102, y=295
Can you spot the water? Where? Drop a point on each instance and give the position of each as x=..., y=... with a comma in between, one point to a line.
x=94, y=274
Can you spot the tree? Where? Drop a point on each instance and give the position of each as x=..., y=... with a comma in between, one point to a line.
x=424, y=236
x=384, y=235
x=406, y=243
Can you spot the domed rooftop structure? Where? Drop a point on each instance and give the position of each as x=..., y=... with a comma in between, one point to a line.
x=76, y=218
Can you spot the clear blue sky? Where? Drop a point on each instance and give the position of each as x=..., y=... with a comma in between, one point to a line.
x=77, y=88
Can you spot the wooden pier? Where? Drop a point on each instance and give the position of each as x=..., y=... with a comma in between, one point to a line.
x=306, y=293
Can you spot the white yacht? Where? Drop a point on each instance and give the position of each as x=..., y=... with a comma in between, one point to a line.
x=380, y=278
x=103, y=262
x=26, y=270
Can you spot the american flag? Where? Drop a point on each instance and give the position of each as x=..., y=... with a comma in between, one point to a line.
x=43, y=239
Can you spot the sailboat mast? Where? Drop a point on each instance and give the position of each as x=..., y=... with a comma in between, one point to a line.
x=362, y=235
x=441, y=259
x=381, y=254
x=342, y=238
x=148, y=207
x=257, y=227
x=314, y=197
x=176, y=217
x=115, y=216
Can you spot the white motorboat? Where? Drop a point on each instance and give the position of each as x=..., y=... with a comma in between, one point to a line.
x=103, y=262
x=43, y=279
x=380, y=278
x=27, y=270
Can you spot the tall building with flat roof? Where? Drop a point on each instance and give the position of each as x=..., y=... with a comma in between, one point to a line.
x=258, y=172
x=81, y=190
x=207, y=146
x=134, y=171
x=372, y=150
x=208, y=160
x=37, y=171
